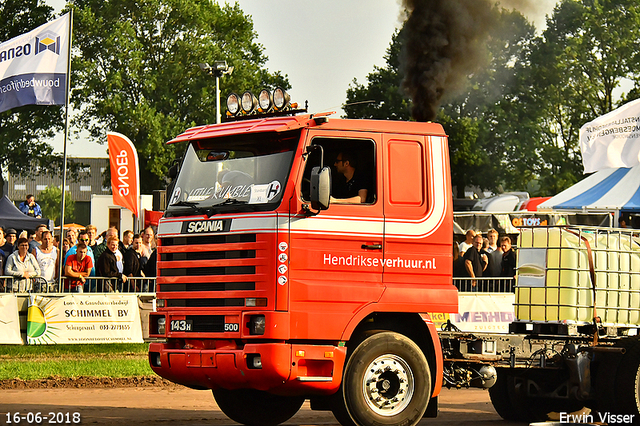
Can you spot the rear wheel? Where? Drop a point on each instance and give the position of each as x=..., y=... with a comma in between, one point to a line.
x=387, y=381
x=257, y=408
x=511, y=403
x=619, y=385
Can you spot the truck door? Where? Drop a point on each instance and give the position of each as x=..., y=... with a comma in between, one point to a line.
x=418, y=238
x=336, y=256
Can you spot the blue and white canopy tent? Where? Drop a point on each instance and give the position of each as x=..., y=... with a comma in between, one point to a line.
x=610, y=147
x=614, y=190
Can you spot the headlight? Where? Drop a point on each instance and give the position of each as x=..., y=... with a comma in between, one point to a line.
x=249, y=102
x=257, y=325
x=233, y=104
x=161, y=325
x=280, y=98
x=265, y=100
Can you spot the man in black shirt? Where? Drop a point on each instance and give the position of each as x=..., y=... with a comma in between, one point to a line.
x=508, y=258
x=475, y=262
x=354, y=189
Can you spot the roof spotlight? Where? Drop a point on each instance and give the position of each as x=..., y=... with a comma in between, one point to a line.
x=233, y=104
x=265, y=99
x=249, y=102
x=280, y=98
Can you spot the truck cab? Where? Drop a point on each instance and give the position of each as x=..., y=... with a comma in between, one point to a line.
x=270, y=294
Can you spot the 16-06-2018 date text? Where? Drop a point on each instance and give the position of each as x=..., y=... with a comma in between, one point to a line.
x=50, y=418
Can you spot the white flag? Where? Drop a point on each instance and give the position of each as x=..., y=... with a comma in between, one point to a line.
x=34, y=66
x=612, y=140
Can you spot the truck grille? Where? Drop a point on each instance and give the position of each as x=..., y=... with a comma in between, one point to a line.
x=190, y=266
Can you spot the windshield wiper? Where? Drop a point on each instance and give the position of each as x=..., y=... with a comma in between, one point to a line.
x=184, y=203
x=230, y=201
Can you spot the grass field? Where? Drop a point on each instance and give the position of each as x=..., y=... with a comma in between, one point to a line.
x=105, y=360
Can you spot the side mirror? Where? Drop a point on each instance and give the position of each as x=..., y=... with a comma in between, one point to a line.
x=320, y=188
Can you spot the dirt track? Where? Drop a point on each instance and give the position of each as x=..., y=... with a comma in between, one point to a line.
x=162, y=403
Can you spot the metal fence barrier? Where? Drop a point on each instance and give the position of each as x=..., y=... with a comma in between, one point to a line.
x=9, y=284
x=485, y=284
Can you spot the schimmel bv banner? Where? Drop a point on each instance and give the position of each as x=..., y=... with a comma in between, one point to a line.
x=84, y=319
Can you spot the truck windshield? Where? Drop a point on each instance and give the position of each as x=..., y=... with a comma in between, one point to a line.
x=229, y=173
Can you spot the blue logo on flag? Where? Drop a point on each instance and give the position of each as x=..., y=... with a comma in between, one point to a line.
x=48, y=41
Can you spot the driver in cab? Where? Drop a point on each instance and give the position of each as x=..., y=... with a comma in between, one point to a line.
x=353, y=189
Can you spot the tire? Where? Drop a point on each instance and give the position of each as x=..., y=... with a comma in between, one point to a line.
x=387, y=381
x=512, y=405
x=627, y=385
x=257, y=408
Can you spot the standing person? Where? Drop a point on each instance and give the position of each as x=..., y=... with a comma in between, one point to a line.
x=127, y=238
x=92, y=232
x=30, y=207
x=148, y=242
x=134, y=262
x=47, y=257
x=492, y=237
x=23, y=266
x=475, y=262
x=107, y=264
x=78, y=267
x=4, y=245
x=494, y=269
x=37, y=238
x=72, y=235
x=100, y=248
x=468, y=242
x=11, y=237
x=83, y=237
x=508, y=258
x=66, y=245
x=354, y=189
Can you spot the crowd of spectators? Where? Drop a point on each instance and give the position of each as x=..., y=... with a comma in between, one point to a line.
x=478, y=257
x=32, y=259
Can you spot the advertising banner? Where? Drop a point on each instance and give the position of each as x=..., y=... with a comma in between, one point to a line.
x=84, y=319
x=612, y=140
x=123, y=159
x=34, y=66
x=9, y=320
x=481, y=312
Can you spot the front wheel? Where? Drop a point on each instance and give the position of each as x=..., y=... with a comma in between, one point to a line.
x=257, y=408
x=387, y=381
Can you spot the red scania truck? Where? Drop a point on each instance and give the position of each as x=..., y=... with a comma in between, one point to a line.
x=269, y=294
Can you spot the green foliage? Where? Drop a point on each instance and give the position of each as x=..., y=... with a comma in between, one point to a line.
x=137, y=70
x=514, y=123
x=50, y=201
x=24, y=129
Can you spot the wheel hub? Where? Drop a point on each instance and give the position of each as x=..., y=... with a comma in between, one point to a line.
x=388, y=385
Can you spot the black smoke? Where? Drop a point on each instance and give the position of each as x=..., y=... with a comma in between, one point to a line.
x=445, y=42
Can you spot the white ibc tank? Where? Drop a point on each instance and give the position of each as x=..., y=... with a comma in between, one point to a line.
x=554, y=280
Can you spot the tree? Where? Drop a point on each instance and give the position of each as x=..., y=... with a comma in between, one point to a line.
x=23, y=130
x=577, y=64
x=50, y=201
x=137, y=70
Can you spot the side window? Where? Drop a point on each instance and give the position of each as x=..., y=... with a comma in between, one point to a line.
x=353, y=169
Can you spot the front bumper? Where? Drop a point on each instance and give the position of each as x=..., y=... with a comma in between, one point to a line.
x=283, y=368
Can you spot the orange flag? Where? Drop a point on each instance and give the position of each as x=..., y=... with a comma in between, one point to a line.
x=123, y=158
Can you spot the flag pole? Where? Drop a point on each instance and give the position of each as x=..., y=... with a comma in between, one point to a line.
x=64, y=151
